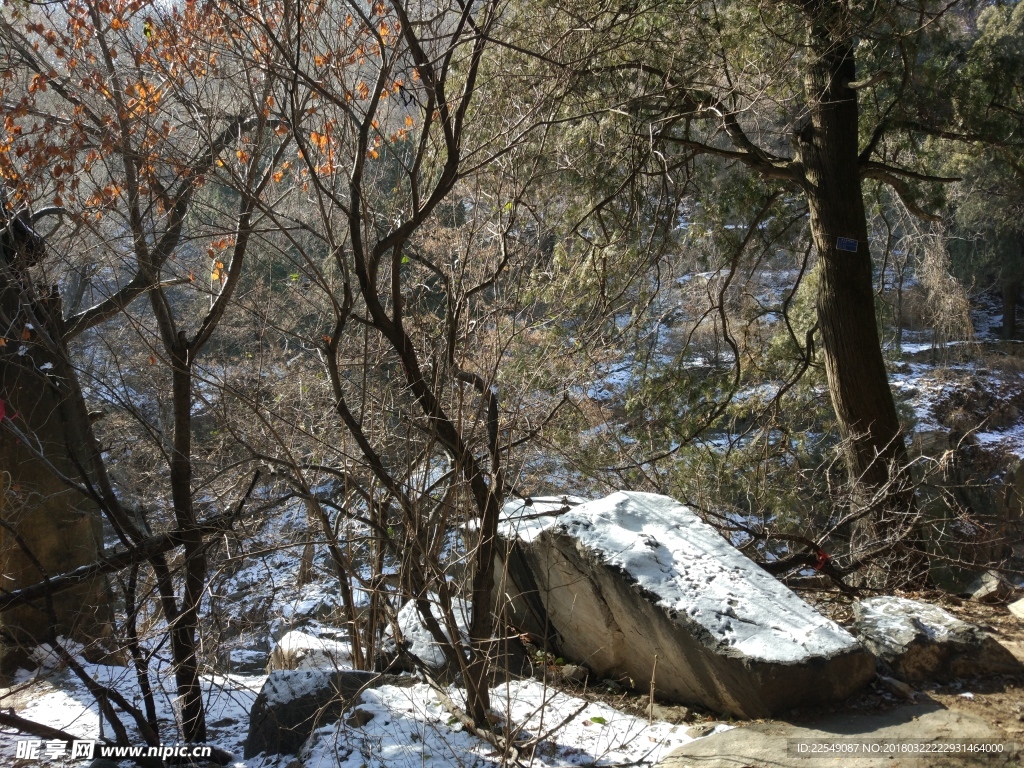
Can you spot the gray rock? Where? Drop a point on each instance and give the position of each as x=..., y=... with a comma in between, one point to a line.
x=701, y=730
x=637, y=586
x=246, y=661
x=574, y=673
x=991, y=587
x=773, y=744
x=292, y=703
x=508, y=656
x=918, y=641
x=896, y=687
x=1017, y=608
x=668, y=714
x=300, y=650
x=359, y=717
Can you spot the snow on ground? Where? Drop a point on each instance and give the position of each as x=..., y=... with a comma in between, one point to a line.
x=916, y=385
x=1010, y=440
x=410, y=727
x=57, y=698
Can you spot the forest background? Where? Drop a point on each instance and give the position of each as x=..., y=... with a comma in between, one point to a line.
x=380, y=261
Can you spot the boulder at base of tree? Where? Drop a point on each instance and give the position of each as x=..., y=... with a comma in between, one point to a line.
x=918, y=641
x=293, y=703
x=636, y=586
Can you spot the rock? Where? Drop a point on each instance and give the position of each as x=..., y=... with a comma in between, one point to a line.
x=359, y=717
x=562, y=673
x=509, y=655
x=919, y=641
x=990, y=587
x=668, y=714
x=1017, y=608
x=418, y=641
x=574, y=673
x=246, y=661
x=292, y=703
x=774, y=744
x=299, y=650
x=623, y=581
x=701, y=730
x=896, y=687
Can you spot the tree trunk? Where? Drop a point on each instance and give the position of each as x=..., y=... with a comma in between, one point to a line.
x=1010, y=290
x=186, y=623
x=48, y=526
x=857, y=380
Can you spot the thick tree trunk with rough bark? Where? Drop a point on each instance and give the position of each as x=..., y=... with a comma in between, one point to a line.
x=857, y=378
x=1010, y=290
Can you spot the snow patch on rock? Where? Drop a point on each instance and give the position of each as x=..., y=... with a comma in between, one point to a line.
x=283, y=686
x=673, y=554
x=420, y=642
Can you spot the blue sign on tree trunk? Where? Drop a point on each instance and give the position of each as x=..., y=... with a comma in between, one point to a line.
x=846, y=244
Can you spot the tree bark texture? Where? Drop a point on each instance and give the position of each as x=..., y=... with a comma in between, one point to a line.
x=857, y=379
x=1010, y=290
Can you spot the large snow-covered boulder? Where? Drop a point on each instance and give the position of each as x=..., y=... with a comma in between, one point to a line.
x=637, y=586
x=919, y=641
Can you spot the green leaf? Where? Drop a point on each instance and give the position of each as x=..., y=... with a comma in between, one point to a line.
x=599, y=720
x=406, y=260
